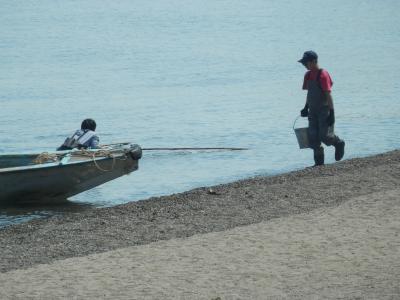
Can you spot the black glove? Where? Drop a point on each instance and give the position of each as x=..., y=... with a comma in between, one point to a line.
x=304, y=111
x=331, y=118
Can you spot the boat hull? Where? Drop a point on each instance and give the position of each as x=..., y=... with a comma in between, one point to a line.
x=58, y=181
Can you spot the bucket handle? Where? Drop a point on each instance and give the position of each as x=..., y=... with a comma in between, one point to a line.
x=294, y=123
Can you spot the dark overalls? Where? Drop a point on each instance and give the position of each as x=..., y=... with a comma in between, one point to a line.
x=318, y=129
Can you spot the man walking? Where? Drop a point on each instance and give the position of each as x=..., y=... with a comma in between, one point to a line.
x=319, y=109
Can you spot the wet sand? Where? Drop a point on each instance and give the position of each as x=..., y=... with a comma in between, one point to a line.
x=325, y=232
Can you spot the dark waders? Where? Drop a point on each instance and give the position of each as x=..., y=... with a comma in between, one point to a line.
x=318, y=129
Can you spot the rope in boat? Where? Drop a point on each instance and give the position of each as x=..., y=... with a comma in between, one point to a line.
x=45, y=157
x=93, y=155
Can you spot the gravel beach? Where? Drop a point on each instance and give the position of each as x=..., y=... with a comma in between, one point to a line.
x=290, y=207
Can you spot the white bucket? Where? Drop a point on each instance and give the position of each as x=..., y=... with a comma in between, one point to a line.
x=301, y=135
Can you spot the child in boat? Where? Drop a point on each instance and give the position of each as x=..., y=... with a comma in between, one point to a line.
x=84, y=138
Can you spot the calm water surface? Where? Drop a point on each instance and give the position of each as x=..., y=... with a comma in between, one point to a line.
x=193, y=74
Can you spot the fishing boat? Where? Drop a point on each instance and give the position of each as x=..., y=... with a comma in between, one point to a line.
x=62, y=174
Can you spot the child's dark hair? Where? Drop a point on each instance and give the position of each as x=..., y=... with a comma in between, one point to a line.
x=88, y=124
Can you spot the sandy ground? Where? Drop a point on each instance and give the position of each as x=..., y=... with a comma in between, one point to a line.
x=320, y=233
x=350, y=251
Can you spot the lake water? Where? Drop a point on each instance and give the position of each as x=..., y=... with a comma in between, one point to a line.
x=193, y=74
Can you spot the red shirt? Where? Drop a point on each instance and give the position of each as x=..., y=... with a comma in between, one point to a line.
x=325, y=80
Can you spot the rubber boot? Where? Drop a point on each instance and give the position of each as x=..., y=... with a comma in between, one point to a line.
x=319, y=156
x=339, y=150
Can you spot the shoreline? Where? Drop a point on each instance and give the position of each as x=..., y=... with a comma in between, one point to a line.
x=198, y=211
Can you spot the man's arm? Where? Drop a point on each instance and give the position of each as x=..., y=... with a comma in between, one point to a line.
x=94, y=143
x=331, y=118
x=304, y=111
x=329, y=99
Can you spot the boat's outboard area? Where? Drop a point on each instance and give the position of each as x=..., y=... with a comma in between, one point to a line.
x=135, y=151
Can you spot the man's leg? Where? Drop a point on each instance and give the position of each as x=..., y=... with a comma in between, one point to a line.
x=327, y=135
x=339, y=150
x=315, y=142
x=319, y=156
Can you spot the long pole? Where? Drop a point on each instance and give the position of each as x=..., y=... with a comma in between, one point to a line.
x=183, y=148
x=198, y=148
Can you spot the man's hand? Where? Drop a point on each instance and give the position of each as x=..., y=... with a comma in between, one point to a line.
x=304, y=111
x=331, y=118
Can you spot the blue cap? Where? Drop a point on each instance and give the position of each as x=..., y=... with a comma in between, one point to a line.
x=308, y=56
